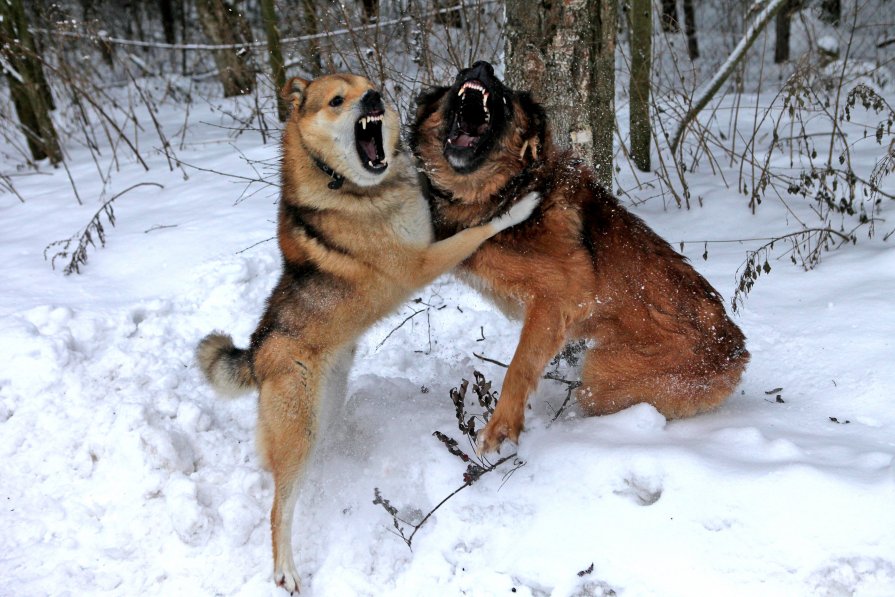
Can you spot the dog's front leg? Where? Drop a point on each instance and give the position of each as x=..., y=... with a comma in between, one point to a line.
x=543, y=335
x=448, y=253
x=287, y=429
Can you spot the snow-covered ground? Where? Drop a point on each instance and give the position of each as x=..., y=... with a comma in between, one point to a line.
x=123, y=474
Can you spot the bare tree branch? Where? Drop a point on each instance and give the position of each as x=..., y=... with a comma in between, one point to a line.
x=712, y=87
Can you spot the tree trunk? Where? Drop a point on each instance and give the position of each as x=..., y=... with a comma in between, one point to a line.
x=166, y=9
x=564, y=52
x=831, y=11
x=781, y=44
x=275, y=55
x=670, y=23
x=690, y=30
x=184, y=34
x=223, y=25
x=88, y=10
x=27, y=84
x=30, y=53
x=134, y=20
x=89, y=15
x=450, y=18
x=312, y=58
x=369, y=10
x=641, y=59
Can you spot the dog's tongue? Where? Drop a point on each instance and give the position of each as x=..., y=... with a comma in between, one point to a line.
x=369, y=148
x=464, y=140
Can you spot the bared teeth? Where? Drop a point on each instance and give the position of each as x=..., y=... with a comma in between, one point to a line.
x=368, y=119
x=485, y=95
x=471, y=85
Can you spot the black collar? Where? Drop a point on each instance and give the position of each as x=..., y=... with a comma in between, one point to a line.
x=527, y=178
x=337, y=179
x=439, y=193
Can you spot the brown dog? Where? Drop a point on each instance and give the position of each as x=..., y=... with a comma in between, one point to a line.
x=356, y=237
x=582, y=267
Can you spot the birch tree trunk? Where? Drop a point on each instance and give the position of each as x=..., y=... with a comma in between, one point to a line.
x=564, y=53
x=641, y=60
x=223, y=25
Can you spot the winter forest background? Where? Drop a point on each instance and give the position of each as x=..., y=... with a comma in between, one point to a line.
x=138, y=185
x=67, y=64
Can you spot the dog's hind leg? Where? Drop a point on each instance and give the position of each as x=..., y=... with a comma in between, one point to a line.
x=543, y=335
x=606, y=385
x=287, y=430
x=614, y=380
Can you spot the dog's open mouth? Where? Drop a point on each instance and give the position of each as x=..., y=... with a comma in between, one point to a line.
x=472, y=118
x=368, y=139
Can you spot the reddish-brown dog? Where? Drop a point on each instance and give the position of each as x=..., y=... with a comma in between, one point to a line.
x=582, y=267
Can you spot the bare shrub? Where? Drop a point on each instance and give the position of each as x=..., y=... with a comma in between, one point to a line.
x=795, y=146
x=477, y=466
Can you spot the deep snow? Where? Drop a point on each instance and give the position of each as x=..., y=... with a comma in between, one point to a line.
x=123, y=474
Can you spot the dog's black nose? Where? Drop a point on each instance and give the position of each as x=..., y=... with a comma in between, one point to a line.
x=372, y=101
x=481, y=68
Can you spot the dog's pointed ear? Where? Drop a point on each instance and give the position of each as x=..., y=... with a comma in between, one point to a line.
x=427, y=102
x=536, y=135
x=294, y=90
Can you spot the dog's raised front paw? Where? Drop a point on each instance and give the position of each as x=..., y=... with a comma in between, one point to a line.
x=518, y=212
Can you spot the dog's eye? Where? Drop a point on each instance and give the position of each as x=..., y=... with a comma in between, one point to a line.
x=336, y=101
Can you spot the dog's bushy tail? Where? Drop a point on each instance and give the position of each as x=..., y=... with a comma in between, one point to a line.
x=225, y=367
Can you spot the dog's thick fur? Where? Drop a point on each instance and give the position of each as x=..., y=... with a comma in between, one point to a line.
x=356, y=238
x=582, y=267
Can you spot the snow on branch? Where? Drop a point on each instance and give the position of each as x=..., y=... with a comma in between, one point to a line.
x=708, y=91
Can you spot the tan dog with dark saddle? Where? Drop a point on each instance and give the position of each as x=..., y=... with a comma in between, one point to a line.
x=356, y=237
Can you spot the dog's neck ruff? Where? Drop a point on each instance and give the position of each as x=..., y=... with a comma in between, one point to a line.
x=337, y=179
x=498, y=203
x=529, y=178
